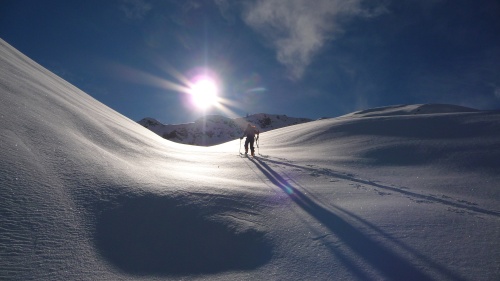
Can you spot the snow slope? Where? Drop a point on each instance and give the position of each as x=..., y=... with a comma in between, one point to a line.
x=413, y=109
x=87, y=194
x=216, y=129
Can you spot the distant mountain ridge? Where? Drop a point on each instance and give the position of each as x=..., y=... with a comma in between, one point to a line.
x=216, y=129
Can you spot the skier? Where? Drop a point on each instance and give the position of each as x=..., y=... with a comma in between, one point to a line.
x=250, y=133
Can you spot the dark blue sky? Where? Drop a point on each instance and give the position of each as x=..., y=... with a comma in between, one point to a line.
x=300, y=58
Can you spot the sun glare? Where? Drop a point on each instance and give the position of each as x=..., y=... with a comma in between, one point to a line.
x=201, y=87
x=204, y=93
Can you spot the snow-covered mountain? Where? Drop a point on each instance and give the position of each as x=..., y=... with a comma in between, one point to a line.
x=216, y=129
x=87, y=194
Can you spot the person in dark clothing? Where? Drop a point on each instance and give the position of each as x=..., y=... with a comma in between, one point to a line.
x=250, y=133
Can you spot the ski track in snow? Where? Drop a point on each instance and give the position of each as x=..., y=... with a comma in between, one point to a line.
x=330, y=216
x=381, y=258
x=446, y=201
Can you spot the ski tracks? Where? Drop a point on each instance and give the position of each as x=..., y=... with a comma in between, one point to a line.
x=293, y=172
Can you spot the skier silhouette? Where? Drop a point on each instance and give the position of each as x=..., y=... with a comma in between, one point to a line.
x=250, y=133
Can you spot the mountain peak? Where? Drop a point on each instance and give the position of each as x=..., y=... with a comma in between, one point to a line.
x=216, y=129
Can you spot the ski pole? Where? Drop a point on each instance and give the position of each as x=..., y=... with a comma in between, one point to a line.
x=257, y=142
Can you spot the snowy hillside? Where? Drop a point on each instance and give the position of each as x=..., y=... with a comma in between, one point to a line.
x=411, y=110
x=87, y=194
x=215, y=129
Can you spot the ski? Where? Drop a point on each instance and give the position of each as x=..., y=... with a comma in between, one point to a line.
x=247, y=155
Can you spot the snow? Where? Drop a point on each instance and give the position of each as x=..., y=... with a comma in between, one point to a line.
x=382, y=194
x=411, y=109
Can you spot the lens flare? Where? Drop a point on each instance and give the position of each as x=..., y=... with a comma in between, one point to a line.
x=202, y=88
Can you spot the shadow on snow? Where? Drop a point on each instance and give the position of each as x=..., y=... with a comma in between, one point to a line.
x=462, y=205
x=154, y=235
x=391, y=265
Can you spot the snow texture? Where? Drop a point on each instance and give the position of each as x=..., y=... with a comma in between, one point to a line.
x=381, y=194
x=216, y=129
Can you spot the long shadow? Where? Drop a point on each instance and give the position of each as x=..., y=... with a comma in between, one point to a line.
x=443, y=270
x=388, y=263
x=394, y=189
x=451, y=275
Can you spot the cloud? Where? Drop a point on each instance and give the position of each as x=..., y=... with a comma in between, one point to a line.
x=135, y=9
x=298, y=29
x=225, y=10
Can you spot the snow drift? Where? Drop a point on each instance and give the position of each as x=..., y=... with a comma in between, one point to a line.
x=87, y=194
x=80, y=191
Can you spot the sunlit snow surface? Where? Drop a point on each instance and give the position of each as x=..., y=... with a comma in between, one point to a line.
x=392, y=193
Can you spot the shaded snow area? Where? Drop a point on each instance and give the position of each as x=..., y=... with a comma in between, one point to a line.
x=87, y=194
x=215, y=129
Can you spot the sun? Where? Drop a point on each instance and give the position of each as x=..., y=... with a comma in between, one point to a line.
x=204, y=93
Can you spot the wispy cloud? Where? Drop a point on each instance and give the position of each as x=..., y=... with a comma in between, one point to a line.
x=135, y=9
x=225, y=8
x=497, y=92
x=298, y=29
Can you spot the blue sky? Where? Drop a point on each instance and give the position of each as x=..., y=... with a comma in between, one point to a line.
x=301, y=58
